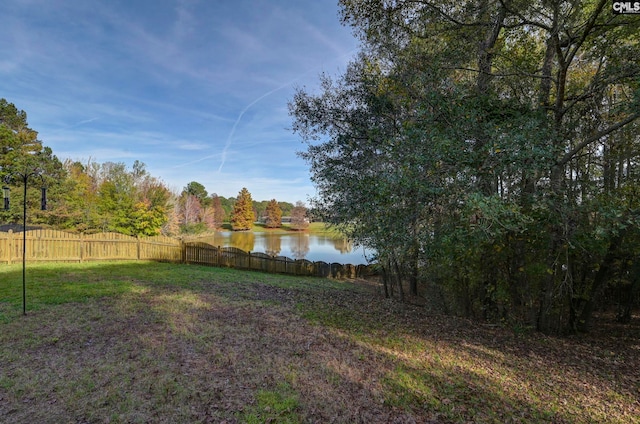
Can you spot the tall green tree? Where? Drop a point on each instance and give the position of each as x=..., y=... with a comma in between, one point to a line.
x=17, y=139
x=22, y=153
x=116, y=198
x=153, y=202
x=465, y=129
x=81, y=197
x=75, y=207
x=243, y=217
x=110, y=197
x=196, y=189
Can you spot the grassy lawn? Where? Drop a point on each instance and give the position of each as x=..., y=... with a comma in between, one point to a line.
x=140, y=342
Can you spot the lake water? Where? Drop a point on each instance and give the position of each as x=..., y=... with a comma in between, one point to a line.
x=295, y=246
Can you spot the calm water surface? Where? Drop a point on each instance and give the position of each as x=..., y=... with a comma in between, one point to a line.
x=295, y=246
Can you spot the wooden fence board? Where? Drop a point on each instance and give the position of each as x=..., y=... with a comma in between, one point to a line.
x=160, y=248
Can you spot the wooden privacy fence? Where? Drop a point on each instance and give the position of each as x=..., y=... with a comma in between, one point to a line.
x=58, y=246
x=51, y=245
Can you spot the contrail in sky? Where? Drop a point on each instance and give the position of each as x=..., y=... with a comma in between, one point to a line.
x=223, y=154
x=77, y=124
x=235, y=124
x=229, y=140
x=86, y=121
x=267, y=94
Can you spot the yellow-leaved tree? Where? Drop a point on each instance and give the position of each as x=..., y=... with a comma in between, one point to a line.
x=243, y=217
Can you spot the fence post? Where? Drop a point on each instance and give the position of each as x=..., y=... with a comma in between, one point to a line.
x=10, y=244
x=81, y=247
x=138, y=247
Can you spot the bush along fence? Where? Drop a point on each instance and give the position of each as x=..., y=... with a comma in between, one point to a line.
x=58, y=246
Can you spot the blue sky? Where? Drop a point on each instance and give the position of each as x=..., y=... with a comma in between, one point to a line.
x=195, y=89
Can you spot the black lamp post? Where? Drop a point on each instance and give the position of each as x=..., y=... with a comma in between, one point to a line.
x=5, y=195
x=24, y=176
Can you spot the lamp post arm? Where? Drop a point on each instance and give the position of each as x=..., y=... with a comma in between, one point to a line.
x=35, y=172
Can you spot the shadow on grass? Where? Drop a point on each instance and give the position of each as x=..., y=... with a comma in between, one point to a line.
x=145, y=341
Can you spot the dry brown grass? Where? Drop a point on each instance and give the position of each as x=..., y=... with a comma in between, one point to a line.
x=200, y=345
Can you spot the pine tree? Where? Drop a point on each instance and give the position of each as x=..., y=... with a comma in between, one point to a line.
x=274, y=214
x=242, y=217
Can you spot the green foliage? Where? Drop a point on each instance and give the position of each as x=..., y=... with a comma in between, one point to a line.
x=22, y=154
x=115, y=200
x=17, y=140
x=483, y=154
x=261, y=207
x=147, y=218
x=286, y=208
x=196, y=189
x=109, y=197
x=81, y=197
x=227, y=206
x=193, y=229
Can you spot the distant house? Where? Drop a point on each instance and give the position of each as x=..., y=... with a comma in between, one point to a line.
x=287, y=219
x=284, y=220
x=17, y=228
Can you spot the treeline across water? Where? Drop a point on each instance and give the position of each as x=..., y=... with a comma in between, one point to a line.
x=89, y=197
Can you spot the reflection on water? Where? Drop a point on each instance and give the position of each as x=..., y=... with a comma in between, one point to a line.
x=300, y=246
x=242, y=240
x=342, y=245
x=295, y=245
x=273, y=245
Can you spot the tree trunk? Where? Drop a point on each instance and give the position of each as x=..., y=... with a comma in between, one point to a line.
x=399, y=278
x=629, y=295
x=599, y=284
x=385, y=281
x=547, y=300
